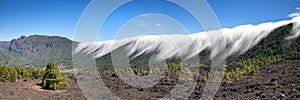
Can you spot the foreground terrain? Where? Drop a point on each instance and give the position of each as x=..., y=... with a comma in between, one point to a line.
x=261, y=86
x=286, y=73
x=30, y=90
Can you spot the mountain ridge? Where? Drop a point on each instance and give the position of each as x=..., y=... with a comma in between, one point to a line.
x=4, y=45
x=38, y=48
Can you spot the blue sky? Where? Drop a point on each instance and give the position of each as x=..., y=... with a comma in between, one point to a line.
x=60, y=17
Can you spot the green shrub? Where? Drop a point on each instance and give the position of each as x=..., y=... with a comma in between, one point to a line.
x=285, y=72
x=108, y=72
x=205, y=75
x=38, y=73
x=53, y=80
x=25, y=74
x=166, y=78
x=187, y=74
x=276, y=84
x=13, y=74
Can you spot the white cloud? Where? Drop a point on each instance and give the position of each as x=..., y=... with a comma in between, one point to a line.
x=238, y=40
x=158, y=25
x=144, y=15
x=294, y=15
x=141, y=23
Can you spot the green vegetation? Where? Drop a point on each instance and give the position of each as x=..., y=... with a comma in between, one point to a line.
x=205, y=75
x=276, y=85
x=53, y=80
x=285, y=72
x=51, y=77
x=187, y=74
x=167, y=78
x=36, y=51
x=270, y=50
x=14, y=73
x=7, y=58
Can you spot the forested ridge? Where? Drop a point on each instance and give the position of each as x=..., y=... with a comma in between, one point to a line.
x=272, y=49
x=36, y=51
x=270, y=66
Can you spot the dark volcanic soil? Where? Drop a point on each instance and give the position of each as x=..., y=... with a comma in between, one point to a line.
x=28, y=90
x=286, y=73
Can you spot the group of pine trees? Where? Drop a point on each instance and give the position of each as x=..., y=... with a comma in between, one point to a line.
x=14, y=73
x=251, y=66
x=51, y=77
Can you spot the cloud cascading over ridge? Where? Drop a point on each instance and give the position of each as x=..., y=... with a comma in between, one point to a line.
x=237, y=40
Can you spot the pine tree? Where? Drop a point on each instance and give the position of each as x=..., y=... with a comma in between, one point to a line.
x=12, y=73
x=25, y=74
x=38, y=73
x=53, y=80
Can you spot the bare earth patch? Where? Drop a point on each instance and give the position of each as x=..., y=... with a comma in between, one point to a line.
x=30, y=90
x=37, y=86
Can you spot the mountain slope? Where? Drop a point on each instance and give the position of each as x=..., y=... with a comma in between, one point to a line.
x=4, y=45
x=37, y=50
x=274, y=44
x=7, y=58
x=283, y=69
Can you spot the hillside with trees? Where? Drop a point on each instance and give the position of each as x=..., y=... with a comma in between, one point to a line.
x=251, y=66
x=269, y=70
x=38, y=49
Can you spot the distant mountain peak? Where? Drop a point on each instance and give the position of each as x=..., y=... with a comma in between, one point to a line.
x=41, y=48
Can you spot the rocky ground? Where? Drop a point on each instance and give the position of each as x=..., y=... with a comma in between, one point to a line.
x=286, y=73
x=30, y=90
